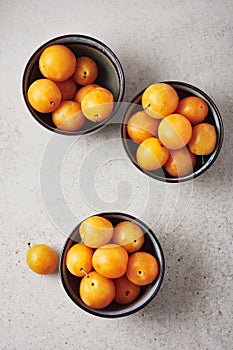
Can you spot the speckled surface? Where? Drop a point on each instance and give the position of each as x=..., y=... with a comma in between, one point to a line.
x=154, y=40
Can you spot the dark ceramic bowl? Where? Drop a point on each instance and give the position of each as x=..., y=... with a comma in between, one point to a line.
x=151, y=245
x=110, y=76
x=213, y=117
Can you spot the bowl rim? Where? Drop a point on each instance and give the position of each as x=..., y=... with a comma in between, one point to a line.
x=98, y=45
x=135, y=308
x=201, y=170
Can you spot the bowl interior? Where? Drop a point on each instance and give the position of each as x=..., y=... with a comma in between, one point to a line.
x=213, y=117
x=71, y=283
x=110, y=75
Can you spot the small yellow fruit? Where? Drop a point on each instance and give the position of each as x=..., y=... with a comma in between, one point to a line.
x=42, y=259
x=97, y=104
x=79, y=260
x=96, y=231
x=151, y=154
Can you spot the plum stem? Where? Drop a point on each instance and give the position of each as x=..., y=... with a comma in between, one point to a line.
x=202, y=160
x=84, y=271
x=29, y=245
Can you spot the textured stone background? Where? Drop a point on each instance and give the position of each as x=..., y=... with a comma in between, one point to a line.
x=154, y=40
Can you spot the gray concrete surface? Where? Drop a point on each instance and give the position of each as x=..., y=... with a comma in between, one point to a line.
x=154, y=40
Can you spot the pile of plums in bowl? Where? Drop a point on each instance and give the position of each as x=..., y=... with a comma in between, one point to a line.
x=112, y=265
x=172, y=131
x=73, y=84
